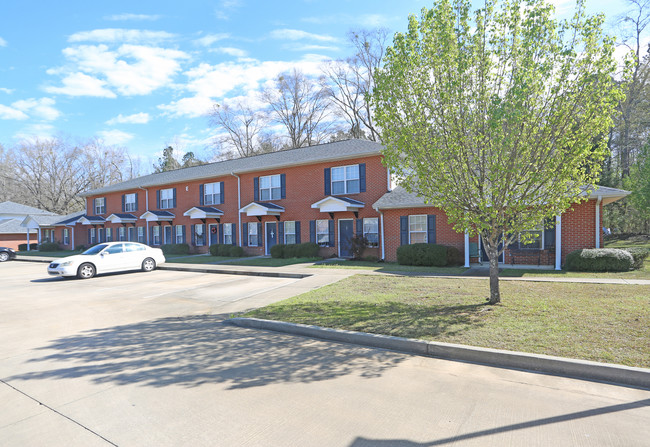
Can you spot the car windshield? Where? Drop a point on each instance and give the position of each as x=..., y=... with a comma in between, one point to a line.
x=94, y=250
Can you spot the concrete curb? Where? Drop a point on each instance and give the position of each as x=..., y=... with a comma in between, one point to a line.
x=36, y=259
x=234, y=272
x=579, y=369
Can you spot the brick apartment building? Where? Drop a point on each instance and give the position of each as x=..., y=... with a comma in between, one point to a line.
x=324, y=194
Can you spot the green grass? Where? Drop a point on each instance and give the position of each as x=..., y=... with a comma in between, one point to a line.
x=272, y=262
x=599, y=322
x=194, y=259
x=50, y=254
x=643, y=273
x=641, y=241
x=390, y=267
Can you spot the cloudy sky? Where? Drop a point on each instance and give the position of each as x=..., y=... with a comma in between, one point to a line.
x=142, y=74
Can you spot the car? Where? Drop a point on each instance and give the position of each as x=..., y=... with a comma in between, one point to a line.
x=108, y=257
x=6, y=254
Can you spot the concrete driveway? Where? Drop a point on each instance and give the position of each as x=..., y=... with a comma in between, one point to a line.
x=146, y=360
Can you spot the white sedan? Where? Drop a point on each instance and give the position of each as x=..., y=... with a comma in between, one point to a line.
x=108, y=257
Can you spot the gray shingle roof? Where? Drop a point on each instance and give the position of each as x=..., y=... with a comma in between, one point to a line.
x=69, y=218
x=338, y=150
x=12, y=226
x=17, y=208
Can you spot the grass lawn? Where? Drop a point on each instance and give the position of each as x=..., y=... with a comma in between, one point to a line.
x=272, y=262
x=389, y=267
x=643, y=273
x=193, y=259
x=641, y=241
x=49, y=254
x=599, y=322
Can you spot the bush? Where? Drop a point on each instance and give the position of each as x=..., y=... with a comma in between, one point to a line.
x=175, y=249
x=422, y=254
x=307, y=250
x=454, y=257
x=358, y=246
x=49, y=246
x=290, y=251
x=599, y=260
x=639, y=255
x=80, y=247
x=214, y=250
x=370, y=259
x=277, y=251
x=23, y=247
x=235, y=251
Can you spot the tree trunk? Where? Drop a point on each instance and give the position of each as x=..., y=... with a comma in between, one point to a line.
x=493, y=254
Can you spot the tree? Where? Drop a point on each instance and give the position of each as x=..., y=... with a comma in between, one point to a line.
x=241, y=127
x=300, y=105
x=639, y=181
x=167, y=162
x=493, y=118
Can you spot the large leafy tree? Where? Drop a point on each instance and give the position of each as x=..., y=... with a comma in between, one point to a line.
x=493, y=115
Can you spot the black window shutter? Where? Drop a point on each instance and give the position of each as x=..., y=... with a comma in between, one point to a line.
x=404, y=230
x=221, y=192
x=312, y=231
x=123, y=201
x=174, y=198
x=256, y=189
x=173, y=241
x=201, y=198
x=151, y=235
x=94, y=206
x=234, y=233
x=359, y=227
x=88, y=236
x=283, y=186
x=549, y=234
x=158, y=199
x=297, y=232
x=259, y=234
x=328, y=182
x=136, y=201
x=280, y=232
x=362, y=177
x=220, y=237
x=331, y=233
x=431, y=229
x=184, y=235
x=244, y=234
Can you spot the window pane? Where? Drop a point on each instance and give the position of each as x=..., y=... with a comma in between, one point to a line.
x=322, y=226
x=338, y=187
x=289, y=227
x=276, y=193
x=370, y=225
x=418, y=223
x=338, y=174
x=290, y=238
x=352, y=172
x=275, y=181
x=264, y=194
x=353, y=186
x=418, y=238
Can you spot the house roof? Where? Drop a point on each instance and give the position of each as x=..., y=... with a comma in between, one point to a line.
x=339, y=150
x=9, y=207
x=70, y=218
x=12, y=226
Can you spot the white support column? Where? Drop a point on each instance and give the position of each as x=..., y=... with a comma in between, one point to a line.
x=383, y=240
x=28, y=239
x=598, y=202
x=39, y=235
x=466, y=249
x=558, y=242
x=72, y=246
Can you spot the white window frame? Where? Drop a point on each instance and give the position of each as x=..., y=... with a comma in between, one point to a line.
x=141, y=237
x=66, y=236
x=212, y=193
x=100, y=205
x=227, y=233
x=540, y=238
x=325, y=235
x=109, y=235
x=130, y=203
x=368, y=224
x=155, y=235
x=412, y=232
x=252, y=232
x=199, y=235
x=121, y=233
x=345, y=180
x=166, y=198
x=288, y=234
x=273, y=189
x=179, y=234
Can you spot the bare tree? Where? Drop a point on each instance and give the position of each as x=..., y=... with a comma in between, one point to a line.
x=241, y=126
x=300, y=104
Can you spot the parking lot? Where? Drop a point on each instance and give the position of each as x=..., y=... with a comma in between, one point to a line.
x=143, y=359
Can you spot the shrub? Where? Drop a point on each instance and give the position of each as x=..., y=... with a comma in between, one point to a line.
x=639, y=255
x=370, y=259
x=307, y=250
x=49, y=246
x=599, y=260
x=175, y=249
x=80, y=247
x=277, y=251
x=454, y=257
x=23, y=247
x=358, y=245
x=290, y=251
x=214, y=249
x=422, y=254
x=235, y=251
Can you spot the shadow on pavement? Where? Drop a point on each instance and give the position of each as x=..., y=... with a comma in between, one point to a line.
x=194, y=350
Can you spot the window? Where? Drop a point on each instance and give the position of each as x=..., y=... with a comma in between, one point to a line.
x=345, y=179
x=156, y=235
x=100, y=205
x=227, y=233
x=130, y=203
x=212, y=193
x=92, y=236
x=252, y=235
x=199, y=235
x=417, y=229
x=66, y=237
x=533, y=239
x=322, y=233
x=141, y=235
x=133, y=247
x=166, y=198
x=371, y=231
x=179, y=234
x=270, y=187
x=290, y=232
x=121, y=233
x=114, y=249
x=109, y=235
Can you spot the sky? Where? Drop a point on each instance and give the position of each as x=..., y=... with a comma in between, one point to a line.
x=143, y=74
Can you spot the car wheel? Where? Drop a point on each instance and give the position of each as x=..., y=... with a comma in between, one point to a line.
x=86, y=271
x=4, y=256
x=148, y=265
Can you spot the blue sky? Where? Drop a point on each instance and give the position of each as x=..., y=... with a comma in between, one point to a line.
x=142, y=74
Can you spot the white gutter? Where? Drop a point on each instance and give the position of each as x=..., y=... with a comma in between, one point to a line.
x=238, y=206
x=600, y=199
x=146, y=205
x=389, y=187
x=466, y=249
x=383, y=241
x=558, y=242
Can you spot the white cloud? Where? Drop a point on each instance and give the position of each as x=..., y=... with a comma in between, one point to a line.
x=34, y=132
x=114, y=136
x=42, y=108
x=10, y=113
x=192, y=107
x=563, y=7
x=295, y=34
x=367, y=20
x=119, y=17
x=225, y=8
x=3, y=43
x=119, y=35
x=80, y=84
x=230, y=51
x=136, y=118
x=8, y=91
x=209, y=39
x=310, y=47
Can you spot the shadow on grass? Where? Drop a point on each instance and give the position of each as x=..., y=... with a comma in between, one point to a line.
x=193, y=350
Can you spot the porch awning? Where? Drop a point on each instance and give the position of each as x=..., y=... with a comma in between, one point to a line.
x=203, y=212
x=157, y=216
x=91, y=220
x=262, y=209
x=332, y=204
x=121, y=218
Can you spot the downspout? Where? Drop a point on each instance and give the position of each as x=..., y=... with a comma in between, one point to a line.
x=600, y=199
x=466, y=249
x=389, y=187
x=238, y=207
x=558, y=242
x=146, y=205
x=383, y=241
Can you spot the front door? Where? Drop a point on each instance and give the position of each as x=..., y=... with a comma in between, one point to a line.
x=271, y=236
x=346, y=233
x=484, y=256
x=214, y=239
x=168, y=234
